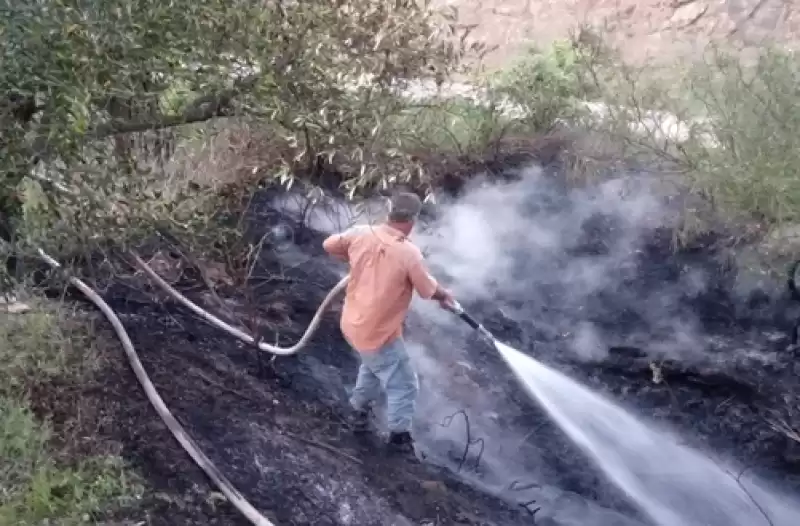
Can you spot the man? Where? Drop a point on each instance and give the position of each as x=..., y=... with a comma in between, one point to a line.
x=385, y=270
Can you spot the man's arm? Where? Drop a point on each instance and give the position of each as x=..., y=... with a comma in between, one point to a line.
x=337, y=245
x=425, y=285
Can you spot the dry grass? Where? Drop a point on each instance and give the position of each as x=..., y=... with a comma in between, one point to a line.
x=217, y=154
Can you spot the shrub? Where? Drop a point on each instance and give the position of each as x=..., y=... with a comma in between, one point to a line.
x=545, y=83
x=725, y=126
x=753, y=113
x=37, y=488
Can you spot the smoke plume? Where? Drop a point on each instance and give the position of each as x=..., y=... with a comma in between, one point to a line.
x=566, y=263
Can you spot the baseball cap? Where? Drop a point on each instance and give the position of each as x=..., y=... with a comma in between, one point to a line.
x=404, y=207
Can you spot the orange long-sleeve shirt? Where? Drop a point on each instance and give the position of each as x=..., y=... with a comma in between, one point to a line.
x=385, y=269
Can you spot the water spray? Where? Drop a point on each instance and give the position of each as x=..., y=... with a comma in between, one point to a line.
x=672, y=492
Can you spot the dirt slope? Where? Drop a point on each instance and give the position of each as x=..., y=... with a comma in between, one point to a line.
x=643, y=28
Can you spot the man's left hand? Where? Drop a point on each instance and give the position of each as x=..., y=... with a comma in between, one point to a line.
x=447, y=302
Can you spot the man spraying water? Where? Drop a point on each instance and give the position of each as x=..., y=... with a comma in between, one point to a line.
x=385, y=270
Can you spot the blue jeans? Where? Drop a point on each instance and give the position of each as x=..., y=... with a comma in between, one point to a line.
x=389, y=368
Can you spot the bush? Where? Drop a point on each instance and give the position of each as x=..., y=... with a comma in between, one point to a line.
x=524, y=100
x=753, y=112
x=545, y=83
x=457, y=126
x=36, y=488
x=726, y=127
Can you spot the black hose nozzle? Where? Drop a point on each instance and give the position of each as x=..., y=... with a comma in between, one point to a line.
x=472, y=322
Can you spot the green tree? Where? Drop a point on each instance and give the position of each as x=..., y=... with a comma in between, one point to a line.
x=88, y=88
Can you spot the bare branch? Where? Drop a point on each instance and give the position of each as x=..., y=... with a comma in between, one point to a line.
x=469, y=442
x=751, y=497
x=202, y=109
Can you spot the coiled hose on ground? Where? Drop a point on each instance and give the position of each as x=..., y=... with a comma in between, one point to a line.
x=180, y=434
x=247, y=338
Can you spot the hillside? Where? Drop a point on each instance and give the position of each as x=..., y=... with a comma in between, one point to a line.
x=644, y=29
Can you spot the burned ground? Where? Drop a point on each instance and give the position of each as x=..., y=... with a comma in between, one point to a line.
x=274, y=430
x=276, y=427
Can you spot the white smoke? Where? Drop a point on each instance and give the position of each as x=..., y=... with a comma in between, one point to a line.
x=502, y=239
x=587, y=343
x=524, y=242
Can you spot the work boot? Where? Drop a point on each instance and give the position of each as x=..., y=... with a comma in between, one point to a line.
x=401, y=443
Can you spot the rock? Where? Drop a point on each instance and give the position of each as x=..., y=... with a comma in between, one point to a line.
x=689, y=14
x=16, y=307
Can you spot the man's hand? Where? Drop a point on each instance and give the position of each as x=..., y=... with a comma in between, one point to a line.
x=445, y=298
x=337, y=245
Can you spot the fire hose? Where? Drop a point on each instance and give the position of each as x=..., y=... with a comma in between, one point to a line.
x=456, y=308
x=247, y=338
x=233, y=495
x=459, y=311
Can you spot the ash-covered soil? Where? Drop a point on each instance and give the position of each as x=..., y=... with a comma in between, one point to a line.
x=492, y=456
x=275, y=430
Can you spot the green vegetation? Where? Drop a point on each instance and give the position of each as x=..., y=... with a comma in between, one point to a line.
x=111, y=99
x=754, y=115
x=544, y=83
x=93, y=89
x=721, y=130
x=39, y=479
x=457, y=126
x=37, y=488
